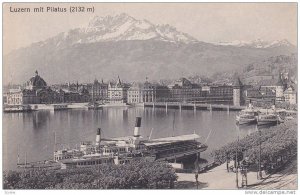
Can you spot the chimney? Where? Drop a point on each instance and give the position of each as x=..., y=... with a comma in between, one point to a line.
x=137, y=127
x=98, y=137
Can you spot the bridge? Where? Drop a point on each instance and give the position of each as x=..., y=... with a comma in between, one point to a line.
x=194, y=106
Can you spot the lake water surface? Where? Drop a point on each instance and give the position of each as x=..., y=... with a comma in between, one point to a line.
x=33, y=133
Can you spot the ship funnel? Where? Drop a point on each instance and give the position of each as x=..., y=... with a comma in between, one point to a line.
x=138, y=122
x=98, y=137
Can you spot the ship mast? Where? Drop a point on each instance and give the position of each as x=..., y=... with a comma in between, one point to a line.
x=54, y=137
x=18, y=154
x=173, y=136
x=173, y=123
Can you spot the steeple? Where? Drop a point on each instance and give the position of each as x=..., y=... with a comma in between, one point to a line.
x=237, y=82
x=119, y=83
x=36, y=73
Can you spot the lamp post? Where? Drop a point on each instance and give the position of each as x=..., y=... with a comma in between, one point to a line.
x=259, y=155
x=197, y=169
x=236, y=159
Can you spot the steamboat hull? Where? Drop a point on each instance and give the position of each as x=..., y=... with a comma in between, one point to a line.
x=181, y=156
x=246, y=121
x=267, y=122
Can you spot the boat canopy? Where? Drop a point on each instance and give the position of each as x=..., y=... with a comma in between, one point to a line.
x=167, y=140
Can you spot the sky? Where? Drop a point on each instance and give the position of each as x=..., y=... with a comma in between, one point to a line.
x=208, y=22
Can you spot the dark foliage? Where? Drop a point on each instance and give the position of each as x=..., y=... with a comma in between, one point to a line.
x=134, y=175
x=276, y=142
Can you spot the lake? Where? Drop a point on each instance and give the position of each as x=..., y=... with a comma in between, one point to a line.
x=33, y=133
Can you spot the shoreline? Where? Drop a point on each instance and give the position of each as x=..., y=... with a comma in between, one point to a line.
x=37, y=107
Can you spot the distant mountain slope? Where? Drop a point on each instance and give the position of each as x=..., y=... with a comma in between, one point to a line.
x=133, y=49
x=273, y=66
x=257, y=43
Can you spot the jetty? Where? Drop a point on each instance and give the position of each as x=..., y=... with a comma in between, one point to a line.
x=194, y=106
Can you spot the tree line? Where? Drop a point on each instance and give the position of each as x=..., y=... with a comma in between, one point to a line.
x=137, y=174
x=277, y=144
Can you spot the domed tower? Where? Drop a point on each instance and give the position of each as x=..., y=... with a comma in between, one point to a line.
x=36, y=82
x=237, y=92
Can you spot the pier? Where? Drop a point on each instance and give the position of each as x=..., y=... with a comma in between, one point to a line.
x=192, y=106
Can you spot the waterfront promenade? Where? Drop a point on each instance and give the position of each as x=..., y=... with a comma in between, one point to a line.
x=219, y=178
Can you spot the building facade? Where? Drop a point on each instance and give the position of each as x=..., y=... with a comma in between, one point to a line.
x=117, y=93
x=290, y=95
x=135, y=94
x=36, y=91
x=139, y=93
x=98, y=91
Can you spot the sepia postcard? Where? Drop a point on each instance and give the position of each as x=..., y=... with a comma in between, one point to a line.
x=195, y=96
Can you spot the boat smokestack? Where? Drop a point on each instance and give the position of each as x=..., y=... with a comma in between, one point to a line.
x=138, y=122
x=98, y=137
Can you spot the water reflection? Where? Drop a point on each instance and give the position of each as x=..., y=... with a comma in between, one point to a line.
x=34, y=131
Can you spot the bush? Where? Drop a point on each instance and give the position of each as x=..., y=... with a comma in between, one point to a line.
x=138, y=174
x=276, y=142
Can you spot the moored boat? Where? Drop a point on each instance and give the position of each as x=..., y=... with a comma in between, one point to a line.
x=124, y=149
x=247, y=116
x=93, y=106
x=267, y=119
x=60, y=107
x=18, y=108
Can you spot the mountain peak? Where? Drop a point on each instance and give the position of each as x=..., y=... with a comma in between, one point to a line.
x=123, y=27
x=99, y=21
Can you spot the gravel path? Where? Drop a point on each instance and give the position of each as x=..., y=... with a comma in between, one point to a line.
x=219, y=178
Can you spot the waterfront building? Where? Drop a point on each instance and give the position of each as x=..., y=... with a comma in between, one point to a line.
x=162, y=93
x=36, y=91
x=27, y=95
x=260, y=95
x=276, y=86
x=220, y=94
x=117, y=93
x=184, y=91
x=134, y=93
x=148, y=92
x=98, y=91
x=139, y=93
x=290, y=95
x=35, y=82
x=14, y=97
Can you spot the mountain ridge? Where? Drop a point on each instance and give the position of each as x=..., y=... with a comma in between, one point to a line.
x=81, y=54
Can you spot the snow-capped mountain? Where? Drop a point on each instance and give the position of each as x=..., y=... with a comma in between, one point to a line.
x=258, y=43
x=124, y=27
x=134, y=49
